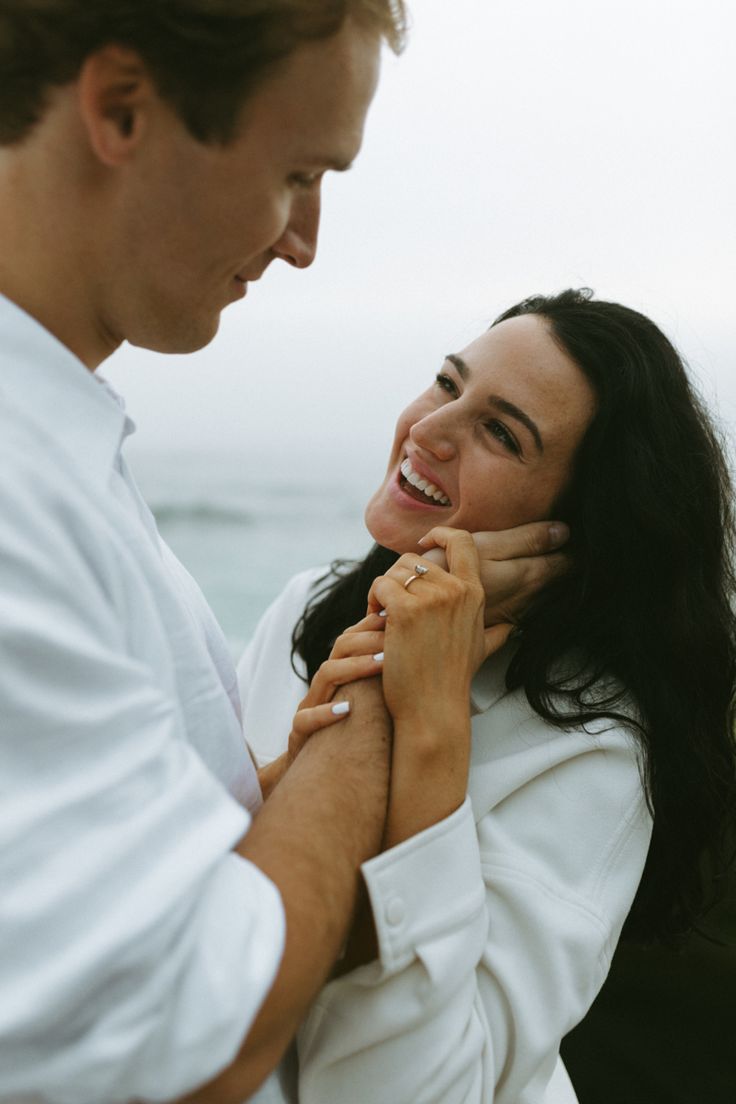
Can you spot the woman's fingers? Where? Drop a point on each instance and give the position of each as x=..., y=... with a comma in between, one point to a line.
x=515, y=565
x=460, y=551
x=359, y=643
x=370, y=623
x=308, y=721
x=511, y=585
x=334, y=673
x=537, y=538
x=413, y=572
x=399, y=574
x=496, y=637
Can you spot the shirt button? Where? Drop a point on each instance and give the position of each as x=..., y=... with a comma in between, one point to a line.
x=395, y=912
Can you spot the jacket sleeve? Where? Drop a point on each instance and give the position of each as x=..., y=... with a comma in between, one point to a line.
x=495, y=936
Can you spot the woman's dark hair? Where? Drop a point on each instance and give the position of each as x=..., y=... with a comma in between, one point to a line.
x=206, y=56
x=646, y=610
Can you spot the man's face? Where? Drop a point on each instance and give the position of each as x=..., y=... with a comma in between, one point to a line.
x=194, y=223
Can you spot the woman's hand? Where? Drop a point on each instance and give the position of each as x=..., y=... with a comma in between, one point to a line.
x=514, y=565
x=435, y=642
x=435, y=636
x=357, y=654
x=353, y=656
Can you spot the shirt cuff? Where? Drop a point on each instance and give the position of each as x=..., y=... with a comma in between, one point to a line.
x=425, y=886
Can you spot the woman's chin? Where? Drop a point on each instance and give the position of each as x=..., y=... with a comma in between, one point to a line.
x=390, y=531
x=395, y=542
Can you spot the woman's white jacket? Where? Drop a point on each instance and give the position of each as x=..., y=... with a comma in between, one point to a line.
x=496, y=926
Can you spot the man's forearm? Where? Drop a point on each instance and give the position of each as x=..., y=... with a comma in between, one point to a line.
x=325, y=818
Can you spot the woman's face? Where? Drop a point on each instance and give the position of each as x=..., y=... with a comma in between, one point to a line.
x=490, y=444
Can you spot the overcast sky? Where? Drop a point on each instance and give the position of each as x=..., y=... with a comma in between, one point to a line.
x=513, y=148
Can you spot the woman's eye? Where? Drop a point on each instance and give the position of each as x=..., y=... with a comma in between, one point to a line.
x=442, y=380
x=502, y=434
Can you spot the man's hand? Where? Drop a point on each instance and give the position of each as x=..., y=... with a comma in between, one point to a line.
x=514, y=565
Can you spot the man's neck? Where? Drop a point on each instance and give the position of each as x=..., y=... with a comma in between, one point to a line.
x=44, y=265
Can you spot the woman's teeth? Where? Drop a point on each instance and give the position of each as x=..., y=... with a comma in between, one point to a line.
x=423, y=485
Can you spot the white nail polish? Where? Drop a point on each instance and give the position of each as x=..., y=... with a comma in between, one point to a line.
x=378, y=657
x=341, y=708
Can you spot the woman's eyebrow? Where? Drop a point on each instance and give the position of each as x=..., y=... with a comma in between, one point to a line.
x=500, y=404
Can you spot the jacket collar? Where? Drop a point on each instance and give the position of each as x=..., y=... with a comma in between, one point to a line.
x=489, y=684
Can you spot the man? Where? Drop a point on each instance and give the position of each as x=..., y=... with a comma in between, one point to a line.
x=156, y=940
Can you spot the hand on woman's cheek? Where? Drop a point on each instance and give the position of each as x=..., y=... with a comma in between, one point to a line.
x=515, y=565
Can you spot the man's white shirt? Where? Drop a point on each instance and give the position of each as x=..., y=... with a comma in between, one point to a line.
x=135, y=947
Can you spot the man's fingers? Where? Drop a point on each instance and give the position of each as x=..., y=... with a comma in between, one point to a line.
x=535, y=539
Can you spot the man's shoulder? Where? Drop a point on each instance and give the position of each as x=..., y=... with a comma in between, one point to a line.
x=36, y=469
x=54, y=516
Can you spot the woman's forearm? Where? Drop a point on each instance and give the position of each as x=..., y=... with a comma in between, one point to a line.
x=429, y=770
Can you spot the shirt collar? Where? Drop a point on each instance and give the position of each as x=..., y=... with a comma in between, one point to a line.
x=52, y=388
x=489, y=683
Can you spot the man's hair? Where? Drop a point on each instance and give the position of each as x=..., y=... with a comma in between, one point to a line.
x=206, y=56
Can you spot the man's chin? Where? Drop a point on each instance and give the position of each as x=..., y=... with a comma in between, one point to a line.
x=188, y=337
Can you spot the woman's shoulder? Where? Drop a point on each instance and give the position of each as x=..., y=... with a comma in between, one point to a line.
x=269, y=649
x=300, y=588
x=613, y=713
x=559, y=804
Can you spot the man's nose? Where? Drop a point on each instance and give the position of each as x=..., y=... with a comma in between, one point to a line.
x=298, y=243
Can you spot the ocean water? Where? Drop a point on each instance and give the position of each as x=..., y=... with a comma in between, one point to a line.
x=243, y=525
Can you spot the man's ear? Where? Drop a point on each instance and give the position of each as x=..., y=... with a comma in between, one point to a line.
x=115, y=93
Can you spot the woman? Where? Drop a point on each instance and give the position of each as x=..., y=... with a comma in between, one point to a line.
x=611, y=702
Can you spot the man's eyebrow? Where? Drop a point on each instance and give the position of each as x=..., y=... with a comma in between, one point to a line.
x=500, y=404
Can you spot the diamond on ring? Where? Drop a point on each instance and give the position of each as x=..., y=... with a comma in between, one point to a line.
x=420, y=569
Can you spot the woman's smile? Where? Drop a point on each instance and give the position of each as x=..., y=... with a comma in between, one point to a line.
x=419, y=487
x=490, y=444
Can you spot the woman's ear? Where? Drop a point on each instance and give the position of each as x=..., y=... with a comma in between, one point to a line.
x=115, y=94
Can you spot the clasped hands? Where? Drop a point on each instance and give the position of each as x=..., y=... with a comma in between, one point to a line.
x=471, y=596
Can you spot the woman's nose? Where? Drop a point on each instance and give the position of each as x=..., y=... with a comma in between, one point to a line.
x=434, y=435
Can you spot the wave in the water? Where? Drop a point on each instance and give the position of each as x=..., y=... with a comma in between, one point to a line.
x=213, y=512
x=271, y=507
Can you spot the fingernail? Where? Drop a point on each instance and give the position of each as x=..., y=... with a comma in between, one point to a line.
x=341, y=708
x=383, y=613
x=422, y=541
x=378, y=657
x=559, y=533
